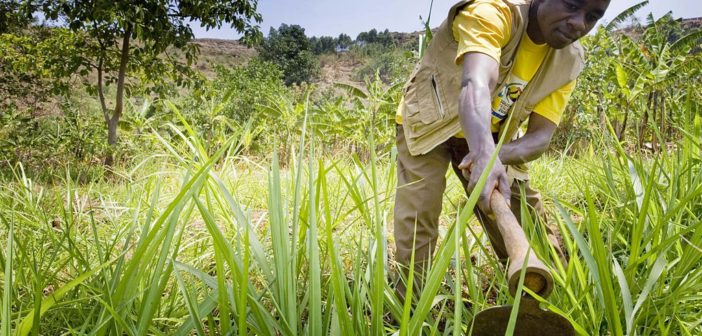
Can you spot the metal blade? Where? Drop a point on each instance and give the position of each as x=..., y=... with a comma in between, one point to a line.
x=531, y=321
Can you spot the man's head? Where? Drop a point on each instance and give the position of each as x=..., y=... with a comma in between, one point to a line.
x=562, y=22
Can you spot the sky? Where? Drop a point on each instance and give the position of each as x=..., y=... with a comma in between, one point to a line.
x=333, y=17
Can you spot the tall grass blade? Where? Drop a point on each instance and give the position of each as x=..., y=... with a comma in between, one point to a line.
x=191, y=304
x=284, y=287
x=379, y=245
x=457, y=289
x=315, y=283
x=626, y=296
x=409, y=291
x=603, y=267
x=6, y=323
x=653, y=277
x=255, y=246
x=337, y=278
x=162, y=271
x=583, y=247
x=244, y=286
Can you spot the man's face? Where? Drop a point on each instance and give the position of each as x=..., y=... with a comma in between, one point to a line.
x=562, y=22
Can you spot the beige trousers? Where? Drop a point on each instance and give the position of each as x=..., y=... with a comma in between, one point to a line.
x=420, y=188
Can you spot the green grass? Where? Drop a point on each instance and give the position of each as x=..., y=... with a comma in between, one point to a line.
x=218, y=244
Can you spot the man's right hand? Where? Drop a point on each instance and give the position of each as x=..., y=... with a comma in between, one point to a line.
x=473, y=166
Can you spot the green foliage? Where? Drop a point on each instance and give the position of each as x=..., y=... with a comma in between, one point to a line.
x=344, y=41
x=106, y=30
x=290, y=49
x=323, y=45
x=392, y=66
x=111, y=26
x=233, y=100
x=14, y=15
x=33, y=68
x=48, y=144
x=372, y=36
x=636, y=78
x=247, y=86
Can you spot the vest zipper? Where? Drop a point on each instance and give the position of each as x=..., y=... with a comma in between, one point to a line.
x=435, y=89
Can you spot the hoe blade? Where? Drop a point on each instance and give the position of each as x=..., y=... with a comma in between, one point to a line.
x=531, y=321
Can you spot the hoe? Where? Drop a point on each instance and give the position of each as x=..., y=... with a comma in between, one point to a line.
x=531, y=319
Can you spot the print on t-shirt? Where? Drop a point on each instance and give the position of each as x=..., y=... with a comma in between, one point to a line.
x=505, y=99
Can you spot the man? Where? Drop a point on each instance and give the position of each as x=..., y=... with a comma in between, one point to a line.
x=491, y=66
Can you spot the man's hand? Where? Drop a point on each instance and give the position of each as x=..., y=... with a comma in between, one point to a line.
x=473, y=166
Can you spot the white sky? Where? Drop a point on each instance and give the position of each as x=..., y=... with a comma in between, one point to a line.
x=332, y=17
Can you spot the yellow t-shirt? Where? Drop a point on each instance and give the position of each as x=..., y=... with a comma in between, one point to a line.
x=485, y=26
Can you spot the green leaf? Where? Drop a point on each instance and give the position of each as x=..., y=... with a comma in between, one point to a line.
x=47, y=303
x=353, y=89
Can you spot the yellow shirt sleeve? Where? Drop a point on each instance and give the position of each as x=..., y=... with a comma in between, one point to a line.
x=553, y=105
x=482, y=26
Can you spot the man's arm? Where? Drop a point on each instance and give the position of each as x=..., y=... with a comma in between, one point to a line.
x=530, y=146
x=480, y=74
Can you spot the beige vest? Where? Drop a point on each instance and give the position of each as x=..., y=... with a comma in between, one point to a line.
x=430, y=114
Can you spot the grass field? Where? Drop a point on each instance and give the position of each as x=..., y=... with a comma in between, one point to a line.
x=190, y=243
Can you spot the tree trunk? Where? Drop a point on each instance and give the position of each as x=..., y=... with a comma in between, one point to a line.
x=119, y=99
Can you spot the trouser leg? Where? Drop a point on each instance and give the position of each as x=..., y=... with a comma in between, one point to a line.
x=421, y=181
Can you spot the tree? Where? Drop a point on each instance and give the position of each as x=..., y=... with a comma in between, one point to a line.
x=344, y=41
x=132, y=39
x=372, y=36
x=291, y=50
x=323, y=45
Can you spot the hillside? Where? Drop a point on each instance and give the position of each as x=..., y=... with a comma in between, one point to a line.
x=335, y=67
x=223, y=52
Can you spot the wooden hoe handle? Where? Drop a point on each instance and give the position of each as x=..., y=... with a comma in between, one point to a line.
x=537, y=278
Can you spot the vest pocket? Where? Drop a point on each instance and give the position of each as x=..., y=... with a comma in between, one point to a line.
x=425, y=104
x=437, y=97
x=422, y=98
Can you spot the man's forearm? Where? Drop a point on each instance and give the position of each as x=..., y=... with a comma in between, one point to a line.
x=525, y=149
x=474, y=107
